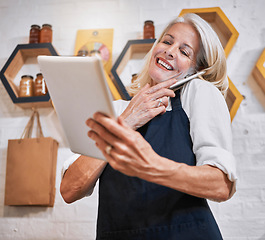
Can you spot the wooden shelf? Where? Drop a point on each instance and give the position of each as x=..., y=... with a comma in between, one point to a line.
x=15, y=62
x=259, y=71
x=220, y=23
x=233, y=99
x=228, y=36
x=133, y=48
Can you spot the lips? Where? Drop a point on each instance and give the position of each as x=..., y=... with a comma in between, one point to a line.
x=164, y=64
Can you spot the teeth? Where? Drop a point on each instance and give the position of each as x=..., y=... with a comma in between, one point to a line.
x=165, y=65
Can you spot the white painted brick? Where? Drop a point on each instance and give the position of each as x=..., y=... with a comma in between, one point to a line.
x=253, y=177
x=253, y=211
x=240, y=218
x=41, y=228
x=83, y=230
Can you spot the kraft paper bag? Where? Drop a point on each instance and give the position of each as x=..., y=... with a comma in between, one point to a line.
x=31, y=168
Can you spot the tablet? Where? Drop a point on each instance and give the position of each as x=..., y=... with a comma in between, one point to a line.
x=78, y=88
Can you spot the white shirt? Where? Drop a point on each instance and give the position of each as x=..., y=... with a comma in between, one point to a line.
x=210, y=127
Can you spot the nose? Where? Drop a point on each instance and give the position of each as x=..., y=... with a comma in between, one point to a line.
x=171, y=53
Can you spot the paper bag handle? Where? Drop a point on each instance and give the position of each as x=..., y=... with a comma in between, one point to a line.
x=28, y=129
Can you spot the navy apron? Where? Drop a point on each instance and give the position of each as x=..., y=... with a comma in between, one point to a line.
x=134, y=209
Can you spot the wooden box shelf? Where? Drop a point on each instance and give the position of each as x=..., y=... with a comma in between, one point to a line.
x=233, y=99
x=15, y=62
x=138, y=47
x=259, y=71
x=220, y=23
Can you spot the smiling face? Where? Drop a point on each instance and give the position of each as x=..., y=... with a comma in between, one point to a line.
x=176, y=52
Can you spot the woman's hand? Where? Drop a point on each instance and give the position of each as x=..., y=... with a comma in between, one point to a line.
x=148, y=103
x=130, y=153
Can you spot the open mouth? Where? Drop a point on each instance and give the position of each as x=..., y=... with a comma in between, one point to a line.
x=164, y=64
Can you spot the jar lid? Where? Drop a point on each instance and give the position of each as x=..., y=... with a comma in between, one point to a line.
x=47, y=25
x=35, y=26
x=27, y=76
x=149, y=21
x=39, y=74
x=94, y=51
x=82, y=53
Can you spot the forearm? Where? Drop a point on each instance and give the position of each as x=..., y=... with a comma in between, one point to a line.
x=80, y=177
x=200, y=181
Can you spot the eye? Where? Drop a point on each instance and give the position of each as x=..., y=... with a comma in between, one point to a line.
x=184, y=52
x=166, y=42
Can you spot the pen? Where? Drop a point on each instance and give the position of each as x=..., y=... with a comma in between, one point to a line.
x=184, y=80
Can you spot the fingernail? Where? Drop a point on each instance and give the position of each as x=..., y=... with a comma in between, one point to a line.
x=87, y=121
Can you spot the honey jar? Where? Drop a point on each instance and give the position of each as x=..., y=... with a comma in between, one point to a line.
x=149, y=29
x=34, y=34
x=40, y=88
x=26, y=86
x=82, y=53
x=46, y=33
x=134, y=77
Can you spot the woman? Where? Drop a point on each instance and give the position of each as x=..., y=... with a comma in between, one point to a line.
x=167, y=152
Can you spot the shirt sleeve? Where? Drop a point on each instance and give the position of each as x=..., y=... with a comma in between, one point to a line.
x=68, y=163
x=210, y=127
x=120, y=106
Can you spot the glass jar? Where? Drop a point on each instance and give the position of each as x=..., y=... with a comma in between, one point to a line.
x=26, y=86
x=46, y=33
x=82, y=53
x=34, y=34
x=149, y=29
x=134, y=77
x=40, y=88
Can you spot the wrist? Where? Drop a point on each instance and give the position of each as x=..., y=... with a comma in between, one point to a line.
x=163, y=172
x=129, y=122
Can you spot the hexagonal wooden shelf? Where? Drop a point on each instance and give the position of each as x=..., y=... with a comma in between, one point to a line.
x=220, y=23
x=132, y=48
x=233, y=99
x=259, y=71
x=14, y=63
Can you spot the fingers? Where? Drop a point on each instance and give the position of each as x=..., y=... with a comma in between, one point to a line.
x=100, y=143
x=159, y=91
x=164, y=92
x=154, y=97
x=148, y=103
x=148, y=94
x=111, y=145
x=163, y=101
x=96, y=132
x=162, y=85
x=103, y=132
x=110, y=130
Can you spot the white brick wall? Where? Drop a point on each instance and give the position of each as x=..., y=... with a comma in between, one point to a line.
x=242, y=217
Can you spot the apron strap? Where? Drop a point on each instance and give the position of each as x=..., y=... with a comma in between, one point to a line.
x=175, y=102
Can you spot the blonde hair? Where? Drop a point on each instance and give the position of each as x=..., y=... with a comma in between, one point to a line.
x=211, y=56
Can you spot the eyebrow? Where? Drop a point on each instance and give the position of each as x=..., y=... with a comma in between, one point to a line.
x=185, y=44
x=167, y=34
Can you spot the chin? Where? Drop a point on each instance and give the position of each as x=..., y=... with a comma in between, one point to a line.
x=156, y=77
